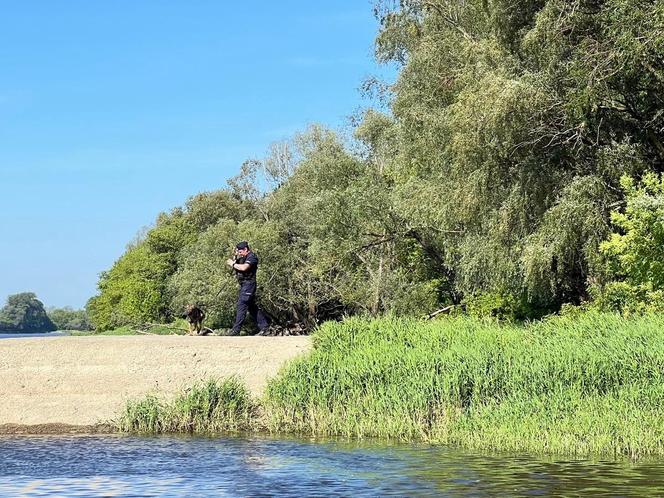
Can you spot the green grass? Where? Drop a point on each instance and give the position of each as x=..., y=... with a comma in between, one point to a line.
x=591, y=384
x=211, y=407
x=126, y=330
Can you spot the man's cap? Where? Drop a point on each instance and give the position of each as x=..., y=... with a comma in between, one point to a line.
x=242, y=245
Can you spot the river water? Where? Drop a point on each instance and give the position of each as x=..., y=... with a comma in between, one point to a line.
x=15, y=335
x=256, y=467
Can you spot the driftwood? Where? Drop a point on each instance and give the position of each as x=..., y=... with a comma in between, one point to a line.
x=206, y=331
x=446, y=309
x=150, y=325
x=141, y=328
x=290, y=329
x=143, y=332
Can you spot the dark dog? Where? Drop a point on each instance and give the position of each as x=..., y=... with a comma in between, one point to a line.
x=195, y=317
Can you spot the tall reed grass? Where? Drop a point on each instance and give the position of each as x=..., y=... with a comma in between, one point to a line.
x=211, y=407
x=587, y=384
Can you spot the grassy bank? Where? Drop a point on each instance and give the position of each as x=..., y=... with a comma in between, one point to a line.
x=589, y=384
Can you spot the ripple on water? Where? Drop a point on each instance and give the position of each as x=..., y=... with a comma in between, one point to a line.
x=184, y=466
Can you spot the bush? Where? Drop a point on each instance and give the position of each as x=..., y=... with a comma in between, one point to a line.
x=502, y=307
x=627, y=298
x=69, y=319
x=634, y=254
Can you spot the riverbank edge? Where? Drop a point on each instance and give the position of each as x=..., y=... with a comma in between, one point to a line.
x=406, y=347
x=56, y=429
x=586, y=385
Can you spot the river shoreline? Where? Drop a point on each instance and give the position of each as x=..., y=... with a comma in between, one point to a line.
x=581, y=385
x=55, y=429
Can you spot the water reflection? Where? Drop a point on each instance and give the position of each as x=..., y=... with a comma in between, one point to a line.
x=176, y=466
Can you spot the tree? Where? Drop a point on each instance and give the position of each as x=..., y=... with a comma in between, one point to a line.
x=632, y=277
x=69, y=319
x=515, y=122
x=135, y=289
x=25, y=313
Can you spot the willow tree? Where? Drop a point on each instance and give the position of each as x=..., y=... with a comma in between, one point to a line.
x=514, y=122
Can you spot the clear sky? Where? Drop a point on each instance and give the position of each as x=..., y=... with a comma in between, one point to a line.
x=111, y=112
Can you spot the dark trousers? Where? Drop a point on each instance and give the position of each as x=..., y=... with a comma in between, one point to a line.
x=246, y=301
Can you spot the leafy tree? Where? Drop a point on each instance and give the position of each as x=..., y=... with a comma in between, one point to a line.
x=515, y=121
x=325, y=235
x=25, y=313
x=634, y=254
x=636, y=251
x=69, y=319
x=204, y=278
x=135, y=289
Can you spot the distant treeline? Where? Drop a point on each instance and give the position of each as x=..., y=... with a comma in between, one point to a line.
x=25, y=313
x=515, y=168
x=68, y=318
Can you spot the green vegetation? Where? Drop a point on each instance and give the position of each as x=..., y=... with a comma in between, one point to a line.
x=575, y=385
x=25, y=313
x=204, y=408
x=568, y=385
x=512, y=124
x=634, y=279
x=515, y=168
x=178, y=327
x=69, y=319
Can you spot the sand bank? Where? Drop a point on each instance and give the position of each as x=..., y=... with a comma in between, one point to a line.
x=74, y=384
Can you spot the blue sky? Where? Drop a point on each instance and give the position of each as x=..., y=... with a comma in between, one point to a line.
x=111, y=112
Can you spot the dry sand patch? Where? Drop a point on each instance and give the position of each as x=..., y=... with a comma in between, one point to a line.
x=84, y=381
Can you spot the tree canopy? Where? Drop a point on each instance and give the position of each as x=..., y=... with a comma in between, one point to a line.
x=68, y=318
x=491, y=177
x=25, y=313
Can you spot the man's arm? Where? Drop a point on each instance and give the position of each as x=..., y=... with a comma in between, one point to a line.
x=238, y=266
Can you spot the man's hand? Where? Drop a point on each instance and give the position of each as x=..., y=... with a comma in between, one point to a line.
x=230, y=262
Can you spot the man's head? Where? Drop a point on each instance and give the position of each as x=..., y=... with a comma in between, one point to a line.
x=242, y=249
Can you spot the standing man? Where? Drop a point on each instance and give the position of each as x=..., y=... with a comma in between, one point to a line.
x=245, y=265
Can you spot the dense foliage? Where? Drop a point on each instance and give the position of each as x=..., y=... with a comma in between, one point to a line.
x=515, y=122
x=25, y=313
x=69, y=319
x=489, y=180
x=634, y=277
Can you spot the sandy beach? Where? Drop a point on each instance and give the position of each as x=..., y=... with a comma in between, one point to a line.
x=73, y=384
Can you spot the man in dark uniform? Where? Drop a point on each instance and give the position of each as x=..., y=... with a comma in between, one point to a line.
x=245, y=266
